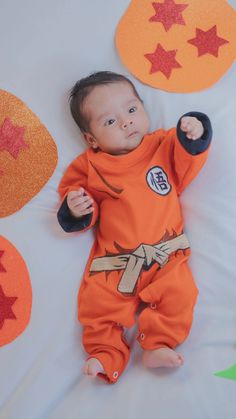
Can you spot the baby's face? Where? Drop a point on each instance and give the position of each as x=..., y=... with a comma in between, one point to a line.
x=117, y=118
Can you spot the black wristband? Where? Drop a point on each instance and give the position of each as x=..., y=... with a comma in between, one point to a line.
x=201, y=144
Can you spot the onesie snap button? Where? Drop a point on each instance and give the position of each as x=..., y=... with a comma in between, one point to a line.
x=115, y=375
x=153, y=306
x=142, y=336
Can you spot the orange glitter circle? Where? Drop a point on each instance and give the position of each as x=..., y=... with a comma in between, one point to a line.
x=15, y=293
x=177, y=45
x=28, y=154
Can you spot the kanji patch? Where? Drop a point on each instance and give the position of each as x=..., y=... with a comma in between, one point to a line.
x=157, y=180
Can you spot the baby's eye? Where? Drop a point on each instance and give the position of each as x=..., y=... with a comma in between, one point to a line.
x=132, y=109
x=110, y=121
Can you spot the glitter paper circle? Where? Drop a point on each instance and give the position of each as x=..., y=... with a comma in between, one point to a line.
x=15, y=293
x=177, y=45
x=28, y=154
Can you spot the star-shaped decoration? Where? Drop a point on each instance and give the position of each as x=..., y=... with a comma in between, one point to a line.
x=2, y=269
x=163, y=61
x=207, y=42
x=168, y=13
x=12, y=138
x=6, y=307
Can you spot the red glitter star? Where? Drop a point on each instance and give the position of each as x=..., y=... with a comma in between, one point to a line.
x=207, y=42
x=11, y=138
x=168, y=13
x=2, y=269
x=5, y=307
x=163, y=61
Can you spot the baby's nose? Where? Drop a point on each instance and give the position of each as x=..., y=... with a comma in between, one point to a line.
x=125, y=124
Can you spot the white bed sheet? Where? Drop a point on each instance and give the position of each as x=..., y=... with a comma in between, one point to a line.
x=45, y=47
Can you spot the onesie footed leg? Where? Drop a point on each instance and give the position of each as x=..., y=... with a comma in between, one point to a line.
x=162, y=357
x=93, y=367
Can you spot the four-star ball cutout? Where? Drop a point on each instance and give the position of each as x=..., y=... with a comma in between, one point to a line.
x=15, y=293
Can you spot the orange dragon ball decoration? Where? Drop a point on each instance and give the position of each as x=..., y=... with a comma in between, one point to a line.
x=15, y=293
x=178, y=45
x=28, y=154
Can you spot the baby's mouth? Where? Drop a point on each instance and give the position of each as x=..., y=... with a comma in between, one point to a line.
x=132, y=134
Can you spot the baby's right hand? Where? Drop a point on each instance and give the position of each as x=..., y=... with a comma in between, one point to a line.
x=79, y=203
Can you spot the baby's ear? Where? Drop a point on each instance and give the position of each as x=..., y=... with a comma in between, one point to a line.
x=90, y=139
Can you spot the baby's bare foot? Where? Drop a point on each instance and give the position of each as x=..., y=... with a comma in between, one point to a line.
x=162, y=357
x=93, y=367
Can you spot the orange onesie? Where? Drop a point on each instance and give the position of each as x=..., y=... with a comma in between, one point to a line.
x=140, y=252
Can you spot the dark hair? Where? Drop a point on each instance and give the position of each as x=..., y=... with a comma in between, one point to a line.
x=82, y=89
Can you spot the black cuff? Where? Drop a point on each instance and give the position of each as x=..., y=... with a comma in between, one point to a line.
x=201, y=144
x=70, y=223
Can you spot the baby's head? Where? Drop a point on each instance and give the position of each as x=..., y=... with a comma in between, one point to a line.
x=109, y=112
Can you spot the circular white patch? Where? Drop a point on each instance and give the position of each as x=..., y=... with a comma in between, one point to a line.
x=157, y=180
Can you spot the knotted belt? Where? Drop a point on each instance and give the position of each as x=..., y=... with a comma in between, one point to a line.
x=133, y=263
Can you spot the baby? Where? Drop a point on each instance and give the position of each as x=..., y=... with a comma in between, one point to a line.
x=128, y=183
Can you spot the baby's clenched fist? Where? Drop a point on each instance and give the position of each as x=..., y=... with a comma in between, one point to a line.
x=192, y=127
x=79, y=203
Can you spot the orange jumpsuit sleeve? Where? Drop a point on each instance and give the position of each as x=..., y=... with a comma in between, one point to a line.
x=188, y=156
x=75, y=176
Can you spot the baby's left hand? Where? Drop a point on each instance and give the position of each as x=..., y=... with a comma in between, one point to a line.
x=192, y=127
